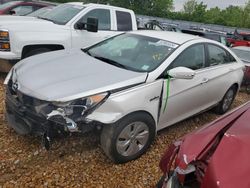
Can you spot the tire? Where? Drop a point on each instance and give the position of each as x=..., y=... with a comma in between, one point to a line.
x=36, y=52
x=226, y=102
x=120, y=140
x=160, y=182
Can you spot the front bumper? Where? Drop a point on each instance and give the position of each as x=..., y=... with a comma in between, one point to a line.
x=24, y=119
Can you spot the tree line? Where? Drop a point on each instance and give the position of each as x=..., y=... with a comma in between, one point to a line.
x=234, y=16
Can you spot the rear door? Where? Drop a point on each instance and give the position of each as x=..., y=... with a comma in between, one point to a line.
x=221, y=73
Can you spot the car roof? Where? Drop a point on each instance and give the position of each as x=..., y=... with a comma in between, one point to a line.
x=178, y=38
x=96, y=5
x=244, y=48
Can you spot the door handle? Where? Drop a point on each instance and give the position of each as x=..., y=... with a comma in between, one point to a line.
x=231, y=69
x=204, y=80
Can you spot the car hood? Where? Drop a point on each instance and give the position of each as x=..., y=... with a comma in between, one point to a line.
x=204, y=136
x=228, y=165
x=68, y=75
x=26, y=23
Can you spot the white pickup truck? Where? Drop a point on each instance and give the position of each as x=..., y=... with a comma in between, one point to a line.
x=64, y=27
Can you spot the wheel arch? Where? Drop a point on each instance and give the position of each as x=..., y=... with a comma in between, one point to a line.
x=143, y=112
x=52, y=47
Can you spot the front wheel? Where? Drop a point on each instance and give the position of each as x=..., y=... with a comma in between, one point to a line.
x=128, y=138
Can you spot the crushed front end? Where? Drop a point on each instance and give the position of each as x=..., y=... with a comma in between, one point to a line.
x=29, y=115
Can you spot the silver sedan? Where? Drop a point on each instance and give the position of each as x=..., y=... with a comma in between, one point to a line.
x=128, y=87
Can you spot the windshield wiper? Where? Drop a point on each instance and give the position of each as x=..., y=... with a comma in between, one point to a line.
x=111, y=62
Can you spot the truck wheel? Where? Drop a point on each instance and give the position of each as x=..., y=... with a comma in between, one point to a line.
x=227, y=100
x=36, y=52
x=128, y=138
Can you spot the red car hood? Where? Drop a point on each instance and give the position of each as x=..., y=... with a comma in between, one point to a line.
x=229, y=164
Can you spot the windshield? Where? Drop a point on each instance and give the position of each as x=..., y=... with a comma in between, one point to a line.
x=6, y=5
x=62, y=13
x=134, y=52
x=242, y=54
x=40, y=12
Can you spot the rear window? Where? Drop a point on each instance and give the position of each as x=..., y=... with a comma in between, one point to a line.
x=124, y=21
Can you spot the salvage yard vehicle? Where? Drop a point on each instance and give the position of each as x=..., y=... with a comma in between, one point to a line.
x=239, y=39
x=64, y=27
x=214, y=156
x=213, y=35
x=41, y=11
x=129, y=92
x=22, y=8
x=243, y=52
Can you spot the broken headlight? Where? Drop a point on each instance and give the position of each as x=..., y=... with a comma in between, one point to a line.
x=81, y=106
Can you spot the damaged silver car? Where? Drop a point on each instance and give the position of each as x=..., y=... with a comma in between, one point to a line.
x=128, y=87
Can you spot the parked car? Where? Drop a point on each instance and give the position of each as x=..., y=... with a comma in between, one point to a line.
x=171, y=27
x=129, y=91
x=243, y=53
x=21, y=8
x=219, y=37
x=214, y=156
x=156, y=25
x=239, y=39
x=64, y=27
x=149, y=25
x=41, y=11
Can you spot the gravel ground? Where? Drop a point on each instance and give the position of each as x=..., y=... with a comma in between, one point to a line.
x=78, y=161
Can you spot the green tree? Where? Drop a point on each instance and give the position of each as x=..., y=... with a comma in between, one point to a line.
x=189, y=6
x=199, y=12
x=246, y=15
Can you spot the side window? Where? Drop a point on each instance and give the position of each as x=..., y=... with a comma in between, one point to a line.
x=103, y=16
x=124, y=21
x=23, y=10
x=217, y=56
x=193, y=58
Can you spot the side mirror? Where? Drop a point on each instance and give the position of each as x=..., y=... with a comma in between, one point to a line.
x=181, y=73
x=92, y=24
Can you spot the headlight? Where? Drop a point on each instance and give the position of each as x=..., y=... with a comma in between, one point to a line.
x=4, y=40
x=4, y=34
x=81, y=106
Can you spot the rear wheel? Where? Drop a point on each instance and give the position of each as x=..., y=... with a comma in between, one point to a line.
x=227, y=100
x=128, y=138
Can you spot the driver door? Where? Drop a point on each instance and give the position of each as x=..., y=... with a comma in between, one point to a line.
x=186, y=97
x=83, y=38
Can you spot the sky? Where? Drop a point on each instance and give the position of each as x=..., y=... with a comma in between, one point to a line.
x=178, y=4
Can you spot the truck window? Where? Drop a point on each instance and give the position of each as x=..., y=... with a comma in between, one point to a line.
x=124, y=21
x=103, y=16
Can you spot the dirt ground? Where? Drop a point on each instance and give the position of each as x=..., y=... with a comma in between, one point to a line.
x=78, y=161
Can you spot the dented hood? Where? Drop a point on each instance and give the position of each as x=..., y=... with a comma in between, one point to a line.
x=196, y=142
x=68, y=75
x=228, y=167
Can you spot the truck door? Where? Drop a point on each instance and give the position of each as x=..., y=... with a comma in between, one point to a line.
x=83, y=38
